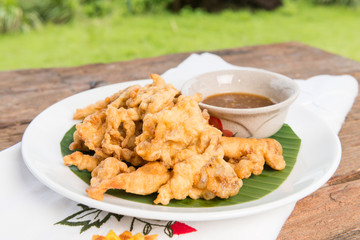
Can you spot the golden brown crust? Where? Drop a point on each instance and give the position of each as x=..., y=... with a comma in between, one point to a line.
x=81, y=160
x=248, y=156
x=168, y=140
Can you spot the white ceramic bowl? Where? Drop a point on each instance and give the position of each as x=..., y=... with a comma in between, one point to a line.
x=250, y=122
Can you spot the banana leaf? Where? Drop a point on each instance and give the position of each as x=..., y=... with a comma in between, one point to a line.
x=255, y=187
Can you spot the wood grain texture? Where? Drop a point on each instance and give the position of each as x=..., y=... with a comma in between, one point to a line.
x=332, y=212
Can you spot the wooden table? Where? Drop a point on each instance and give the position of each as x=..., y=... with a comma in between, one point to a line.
x=332, y=212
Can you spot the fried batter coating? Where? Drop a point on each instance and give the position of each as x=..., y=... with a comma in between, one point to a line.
x=145, y=180
x=115, y=141
x=219, y=179
x=81, y=161
x=169, y=132
x=78, y=143
x=110, y=126
x=155, y=97
x=91, y=131
x=172, y=148
x=199, y=177
x=120, y=98
x=207, y=172
x=182, y=181
x=108, y=168
x=248, y=156
x=127, y=235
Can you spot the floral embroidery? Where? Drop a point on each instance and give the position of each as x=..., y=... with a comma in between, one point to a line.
x=181, y=228
x=148, y=226
x=87, y=218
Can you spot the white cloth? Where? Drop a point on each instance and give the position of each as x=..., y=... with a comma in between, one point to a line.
x=29, y=210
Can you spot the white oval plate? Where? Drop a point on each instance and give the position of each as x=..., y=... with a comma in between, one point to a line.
x=319, y=156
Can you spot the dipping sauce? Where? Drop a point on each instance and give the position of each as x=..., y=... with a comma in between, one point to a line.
x=238, y=100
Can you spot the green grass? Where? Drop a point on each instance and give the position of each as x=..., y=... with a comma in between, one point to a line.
x=123, y=37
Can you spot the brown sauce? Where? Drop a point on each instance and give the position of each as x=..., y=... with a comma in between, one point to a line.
x=238, y=100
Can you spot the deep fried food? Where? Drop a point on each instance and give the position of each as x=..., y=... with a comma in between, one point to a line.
x=91, y=131
x=170, y=144
x=120, y=98
x=219, y=179
x=248, y=156
x=169, y=133
x=82, y=161
x=206, y=172
x=145, y=180
x=110, y=126
x=184, y=173
x=109, y=168
x=124, y=236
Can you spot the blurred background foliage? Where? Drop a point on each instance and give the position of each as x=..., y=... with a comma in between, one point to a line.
x=338, y=2
x=22, y=15
x=50, y=33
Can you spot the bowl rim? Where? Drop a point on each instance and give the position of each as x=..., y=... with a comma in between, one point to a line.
x=257, y=110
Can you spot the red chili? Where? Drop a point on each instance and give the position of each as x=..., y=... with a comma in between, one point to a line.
x=216, y=122
x=227, y=133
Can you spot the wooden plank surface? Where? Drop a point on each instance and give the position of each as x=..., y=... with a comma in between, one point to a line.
x=332, y=212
